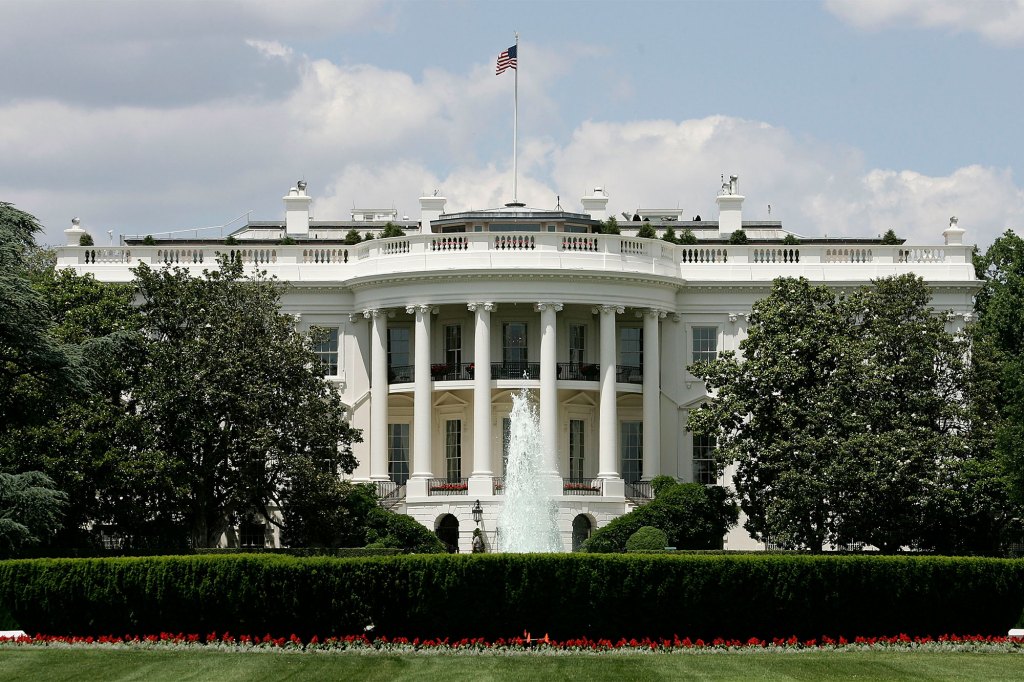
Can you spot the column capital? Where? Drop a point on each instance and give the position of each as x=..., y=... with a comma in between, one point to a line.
x=616, y=309
x=734, y=316
x=374, y=312
x=544, y=305
x=656, y=313
x=486, y=306
x=419, y=307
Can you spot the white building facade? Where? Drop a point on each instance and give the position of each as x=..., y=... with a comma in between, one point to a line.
x=430, y=334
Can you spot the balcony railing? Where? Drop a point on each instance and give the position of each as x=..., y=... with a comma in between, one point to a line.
x=639, y=492
x=390, y=493
x=582, y=486
x=515, y=370
x=629, y=374
x=579, y=371
x=452, y=372
x=448, y=486
x=400, y=374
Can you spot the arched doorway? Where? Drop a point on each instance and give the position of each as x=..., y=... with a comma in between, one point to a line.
x=448, y=532
x=581, y=527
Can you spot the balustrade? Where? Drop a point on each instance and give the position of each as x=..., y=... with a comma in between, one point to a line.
x=447, y=486
x=452, y=372
x=578, y=371
x=325, y=255
x=776, y=255
x=449, y=243
x=579, y=243
x=582, y=486
x=629, y=374
x=515, y=242
x=848, y=255
x=703, y=255
x=107, y=256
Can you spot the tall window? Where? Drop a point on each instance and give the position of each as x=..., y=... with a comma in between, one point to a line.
x=632, y=439
x=705, y=344
x=514, y=342
x=453, y=449
x=576, y=448
x=327, y=351
x=399, y=365
x=252, y=534
x=398, y=453
x=577, y=343
x=453, y=346
x=704, y=469
x=631, y=346
x=506, y=435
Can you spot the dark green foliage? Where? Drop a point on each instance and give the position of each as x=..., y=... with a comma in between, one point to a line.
x=610, y=226
x=322, y=511
x=646, y=538
x=30, y=510
x=693, y=516
x=646, y=231
x=688, y=237
x=287, y=241
x=85, y=240
x=392, y=230
x=738, y=237
x=148, y=240
x=661, y=483
x=790, y=239
x=403, y=532
x=353, y=237
x=670, y=235
x=890, y=238
x=494, y=595
x=230, y=241
x=368, y=236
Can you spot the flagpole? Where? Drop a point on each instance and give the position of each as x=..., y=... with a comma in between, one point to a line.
x=515, y=132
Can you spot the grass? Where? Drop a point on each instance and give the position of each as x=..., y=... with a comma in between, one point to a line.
x=81, y=665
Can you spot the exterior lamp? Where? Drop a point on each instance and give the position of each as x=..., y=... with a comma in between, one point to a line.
x=478, y=513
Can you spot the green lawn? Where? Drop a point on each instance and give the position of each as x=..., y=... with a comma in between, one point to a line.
x=98, y=664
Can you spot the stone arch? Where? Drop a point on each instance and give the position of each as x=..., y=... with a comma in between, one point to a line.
x=582, y=527
x=447, y=529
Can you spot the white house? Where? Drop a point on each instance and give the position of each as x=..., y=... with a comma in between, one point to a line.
x=431, y=333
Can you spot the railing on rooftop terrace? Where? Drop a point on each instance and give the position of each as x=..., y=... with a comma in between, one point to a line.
x=544, y=249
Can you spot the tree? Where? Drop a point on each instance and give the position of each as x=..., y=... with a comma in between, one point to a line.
x=739, y=237
x=646, y=231
x=890, y=238
x=790, y=240
x=610, y=226
x=233, y=398
x=30, y=510
x=353, y=237
x=670, y=235
x=843, y=416
x=86, y=240
x=688, y=237
x=392, y=230
x=691, y=515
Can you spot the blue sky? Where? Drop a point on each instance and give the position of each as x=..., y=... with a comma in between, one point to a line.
x=847, y=117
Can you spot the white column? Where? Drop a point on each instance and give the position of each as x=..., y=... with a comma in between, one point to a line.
x=422, y=399
x=549, y=385
x=378, y=394
x=482, y=459
x=652, y=394
x=609, y=426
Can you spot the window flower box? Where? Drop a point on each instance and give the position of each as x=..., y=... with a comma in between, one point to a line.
x=449, y=487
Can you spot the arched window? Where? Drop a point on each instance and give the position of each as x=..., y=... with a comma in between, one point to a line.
x=581, y=527
x=448, y=532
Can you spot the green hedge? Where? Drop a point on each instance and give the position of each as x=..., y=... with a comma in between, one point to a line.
x=501, y=595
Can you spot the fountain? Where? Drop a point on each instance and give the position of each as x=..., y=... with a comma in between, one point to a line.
x=528, y=520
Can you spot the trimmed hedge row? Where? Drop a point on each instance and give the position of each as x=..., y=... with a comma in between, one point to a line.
x=501, y=595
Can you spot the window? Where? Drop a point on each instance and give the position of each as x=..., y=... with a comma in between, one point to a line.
x=513, y=350
x=453, y=449
x=632, y=439
x=398, y=453
x=399, y=365
x=453, y=346
x=327, y=351
x=251, y=534
x=631, y=347
x=577, y=343
x=704, y=468
x=576, y=448
x=506, y=434
x=705, y=344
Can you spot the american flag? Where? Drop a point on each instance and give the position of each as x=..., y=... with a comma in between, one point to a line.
x=507, y=60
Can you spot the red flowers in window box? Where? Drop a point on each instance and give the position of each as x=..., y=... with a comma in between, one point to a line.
x=449, y=487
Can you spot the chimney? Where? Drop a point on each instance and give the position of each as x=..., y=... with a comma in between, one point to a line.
x=730, y=208
x=954, y=234
x=596, y=204
x=74, y=233
x=296, y=211
x=431, y=209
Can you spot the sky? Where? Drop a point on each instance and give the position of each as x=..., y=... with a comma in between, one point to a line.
x=847, y=117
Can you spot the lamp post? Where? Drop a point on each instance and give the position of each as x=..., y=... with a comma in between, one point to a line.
x=478, y=513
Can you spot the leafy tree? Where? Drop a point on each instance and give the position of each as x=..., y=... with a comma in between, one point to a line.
x=86, y=240
x=30, y=510
x=646, y=231
x=388, y=529
x=739, y=237
x=368, y=236
x=670, y=235
x=691, y=515
x=890, y=238
x=790, y=240
x=322, y=511
x=843, y=415
x=392, y=230
x=353, y=237
x=610, y=226
x=232, y=396
x=688, y=237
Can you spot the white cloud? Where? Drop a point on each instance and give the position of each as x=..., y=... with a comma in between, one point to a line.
x=270, y=48
x=998, y=21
